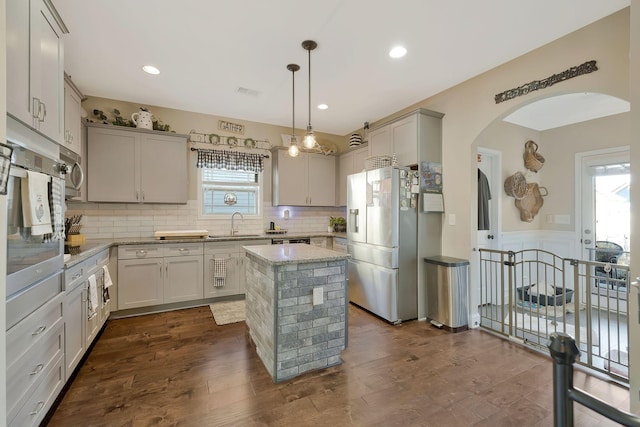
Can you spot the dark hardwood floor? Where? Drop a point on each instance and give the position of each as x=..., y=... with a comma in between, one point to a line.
x=180, y=368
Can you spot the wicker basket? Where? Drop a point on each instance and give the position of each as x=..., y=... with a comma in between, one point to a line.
x=377, y=162
x=532, y=160
x=516, y=186
x=530, y=205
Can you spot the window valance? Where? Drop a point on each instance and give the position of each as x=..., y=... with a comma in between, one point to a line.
x=230, y=160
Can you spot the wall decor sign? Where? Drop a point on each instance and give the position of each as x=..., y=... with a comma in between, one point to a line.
x=586, y=68
x=231, y=127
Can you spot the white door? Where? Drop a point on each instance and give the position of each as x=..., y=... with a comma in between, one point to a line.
x=488, y=214
x=605, y=204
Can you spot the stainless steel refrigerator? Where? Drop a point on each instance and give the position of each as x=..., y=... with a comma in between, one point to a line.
x=382, y=240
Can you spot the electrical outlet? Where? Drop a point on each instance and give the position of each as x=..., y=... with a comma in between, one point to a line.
x=318, y=296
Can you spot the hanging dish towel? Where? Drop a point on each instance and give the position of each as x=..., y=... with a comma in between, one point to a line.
x=219, y=272
x=56, y=201
x=35, y=203
x=107, y=284
x=92, y=297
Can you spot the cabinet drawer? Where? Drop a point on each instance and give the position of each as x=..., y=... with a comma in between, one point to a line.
x=221, y=248
x=73, y=276
x=37, y=405
x=97, y=261
x=183, y=249
x=27, y=371
x=139, y=252
x=33, y=328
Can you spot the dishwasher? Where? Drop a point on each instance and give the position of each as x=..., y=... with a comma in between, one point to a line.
x=306, y=240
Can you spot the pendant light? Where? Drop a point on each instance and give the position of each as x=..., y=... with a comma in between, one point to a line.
x=309, y=139
x=293, y=145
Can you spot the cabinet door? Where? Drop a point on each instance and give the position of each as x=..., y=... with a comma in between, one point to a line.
x=183, y=278
x=290, y=186
x=163, y=169
x=18, y=92
x=345, y=168
x=405, y=140
x=380, y=143
x=321, y=176
x=72, y=120
x=359, y=157
x=230, y=284
x=46, y=70
x=112, y=175
x=75, y=314
x=139, y=283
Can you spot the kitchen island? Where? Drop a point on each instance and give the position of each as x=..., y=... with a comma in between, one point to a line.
x=296, y=303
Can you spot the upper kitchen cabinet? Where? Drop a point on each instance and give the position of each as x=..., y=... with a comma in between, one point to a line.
x=350, y=163
x=306, y=180
x=135, y=165
x=408, y=137
x=72, y=116
x=35, y=66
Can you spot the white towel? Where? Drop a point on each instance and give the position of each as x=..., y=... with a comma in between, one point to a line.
x=107, y=277
x=92, y=295
x=219, y=272
x=35, y=203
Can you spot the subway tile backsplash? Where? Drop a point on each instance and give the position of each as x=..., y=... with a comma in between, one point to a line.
x=118, y=220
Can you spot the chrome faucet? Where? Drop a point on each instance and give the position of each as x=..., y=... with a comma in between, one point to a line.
x=233, y=230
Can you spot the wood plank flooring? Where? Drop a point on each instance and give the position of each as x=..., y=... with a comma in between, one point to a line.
x=181, y=369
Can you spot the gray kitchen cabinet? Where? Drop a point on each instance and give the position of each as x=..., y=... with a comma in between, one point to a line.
x=306, y=180
x=35, y=61
x=233, y=255
x=80, y=330
x=35, y=364
x=135, y=165
x=349, y=163
x=158, y=274
x=72, y=116
x=407, y=137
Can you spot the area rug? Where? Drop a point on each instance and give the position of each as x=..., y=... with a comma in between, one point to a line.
x=228, y=312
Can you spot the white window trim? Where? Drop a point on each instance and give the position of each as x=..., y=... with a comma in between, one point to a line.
x=203, y=216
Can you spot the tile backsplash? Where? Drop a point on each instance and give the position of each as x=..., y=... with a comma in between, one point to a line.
x=121, y=220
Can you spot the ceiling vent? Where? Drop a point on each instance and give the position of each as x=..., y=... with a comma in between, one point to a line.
x=247, y=91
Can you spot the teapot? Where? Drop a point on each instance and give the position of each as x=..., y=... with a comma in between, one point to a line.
x=142, y=119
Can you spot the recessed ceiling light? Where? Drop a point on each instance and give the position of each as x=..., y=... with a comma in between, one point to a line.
x=397, y=52
x=323, y=107
x=150, y=69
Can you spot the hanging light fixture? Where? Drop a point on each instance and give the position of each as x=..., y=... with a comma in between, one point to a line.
x=309, y=139
x=293, y=145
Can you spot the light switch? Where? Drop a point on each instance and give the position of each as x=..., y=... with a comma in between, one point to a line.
x=318, y=296
x=452, y=219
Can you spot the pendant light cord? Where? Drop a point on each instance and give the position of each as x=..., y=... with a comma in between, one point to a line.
x=309, y=66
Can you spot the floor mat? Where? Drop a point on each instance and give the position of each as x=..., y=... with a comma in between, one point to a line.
x=228, y=312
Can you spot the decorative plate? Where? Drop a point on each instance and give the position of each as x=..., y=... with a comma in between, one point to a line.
x=214, y=139
x=250, y=143
x=232, y=141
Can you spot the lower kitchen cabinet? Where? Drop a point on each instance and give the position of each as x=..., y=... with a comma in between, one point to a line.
x=35, y=364
x=229, y=278
x=159, y=274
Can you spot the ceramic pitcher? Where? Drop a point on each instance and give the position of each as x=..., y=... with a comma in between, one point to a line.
x=142, y=119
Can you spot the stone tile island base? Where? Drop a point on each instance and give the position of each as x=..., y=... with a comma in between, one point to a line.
x=290, y=333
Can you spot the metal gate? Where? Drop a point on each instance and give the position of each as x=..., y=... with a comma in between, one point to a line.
x=528, y=295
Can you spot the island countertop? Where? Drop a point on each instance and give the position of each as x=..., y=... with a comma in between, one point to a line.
x=295, y=253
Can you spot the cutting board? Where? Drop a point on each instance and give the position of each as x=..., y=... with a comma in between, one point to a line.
x=181, y=234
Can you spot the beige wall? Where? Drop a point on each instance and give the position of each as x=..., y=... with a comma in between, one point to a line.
x=469, y=107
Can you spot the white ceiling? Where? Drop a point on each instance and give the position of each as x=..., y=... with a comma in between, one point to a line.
x=207, y=50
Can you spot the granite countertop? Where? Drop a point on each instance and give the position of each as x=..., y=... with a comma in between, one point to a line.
x=297, y=253
x=92, y=247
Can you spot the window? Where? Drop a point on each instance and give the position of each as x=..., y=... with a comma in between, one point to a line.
x=218, y=183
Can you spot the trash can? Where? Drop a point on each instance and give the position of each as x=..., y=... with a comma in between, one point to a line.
x=447, y=292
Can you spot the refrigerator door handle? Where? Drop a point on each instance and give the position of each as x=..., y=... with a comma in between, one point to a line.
x=354, y=219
